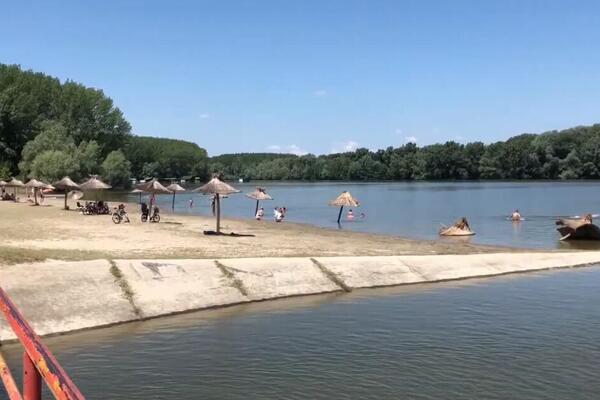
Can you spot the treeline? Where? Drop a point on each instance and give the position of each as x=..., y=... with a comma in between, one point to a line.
x=568, y=154
x=50, y=129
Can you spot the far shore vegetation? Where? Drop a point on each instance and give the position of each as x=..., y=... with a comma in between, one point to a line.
x=49, y=129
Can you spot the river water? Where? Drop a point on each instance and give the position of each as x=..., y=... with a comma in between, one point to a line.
x=417, y=209
x=533, y=336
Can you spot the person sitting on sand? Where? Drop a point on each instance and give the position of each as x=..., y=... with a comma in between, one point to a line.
x=260, y=214
x=516, y=216
x=350, y=215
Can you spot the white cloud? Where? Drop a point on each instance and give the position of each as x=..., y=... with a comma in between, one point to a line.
x=204, y=116
x=320, y=93
x=410, y=139
x=293, y=149
x=399, y=131
x=288, y=149
x=344, y=147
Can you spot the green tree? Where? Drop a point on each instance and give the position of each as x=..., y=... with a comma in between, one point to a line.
x=52, y=165
x=116, y=169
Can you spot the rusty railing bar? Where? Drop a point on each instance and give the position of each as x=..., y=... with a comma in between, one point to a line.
x=9, y=382
x=55, y=377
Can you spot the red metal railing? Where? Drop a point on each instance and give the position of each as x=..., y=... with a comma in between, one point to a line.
x=38, y=362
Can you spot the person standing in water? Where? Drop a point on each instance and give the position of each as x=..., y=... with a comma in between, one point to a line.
x=191, y=203
x=350, y=215
x=516, y=216
x=260, y=214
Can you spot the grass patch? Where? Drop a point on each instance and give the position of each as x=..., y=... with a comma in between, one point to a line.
x=234, y=280
x=126, y=290
x=13, y=255
x=332, y=276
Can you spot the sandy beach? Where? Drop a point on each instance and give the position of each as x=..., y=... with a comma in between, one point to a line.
x=35, y=233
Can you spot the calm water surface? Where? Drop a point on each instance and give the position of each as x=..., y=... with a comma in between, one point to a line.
x=417, y=209
x=534, y=336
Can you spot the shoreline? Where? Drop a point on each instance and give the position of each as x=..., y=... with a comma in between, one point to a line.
x=33, y=234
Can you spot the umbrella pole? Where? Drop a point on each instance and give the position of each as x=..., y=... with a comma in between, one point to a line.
x=35, y=196
x=340, y=214
x=218, y=205
x=66, y=208
x=173, y=205
x=256, y=211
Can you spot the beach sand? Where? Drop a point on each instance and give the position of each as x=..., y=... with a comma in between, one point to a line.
x=34, y=233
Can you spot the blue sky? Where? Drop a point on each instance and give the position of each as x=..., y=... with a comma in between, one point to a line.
x=321, y=76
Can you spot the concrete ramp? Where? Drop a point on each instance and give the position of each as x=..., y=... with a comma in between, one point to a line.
x=170, y=286
x=269, y=278
x=363, y=272
x=58, y=296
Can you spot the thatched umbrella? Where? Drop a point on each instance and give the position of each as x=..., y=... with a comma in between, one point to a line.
x=259, y=194
x=2, y=183
x=174, y=187
x=217, y=188
x=67, y=185
x=94, y=184
x=37, y=185
x=344, y=199
x=15, y=183
x=154, y=187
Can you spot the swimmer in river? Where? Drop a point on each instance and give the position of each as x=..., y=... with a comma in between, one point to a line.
x=516, y=216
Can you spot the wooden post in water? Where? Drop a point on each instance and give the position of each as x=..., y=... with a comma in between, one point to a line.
x=340, y=214
x=218, y=206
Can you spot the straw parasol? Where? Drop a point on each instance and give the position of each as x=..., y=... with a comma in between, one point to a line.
x=344, y=199
x=174, y=187
x=67, y=185
x=94, y=184
x=37, y=185
x=217, y=188
x=2, y=183
x=259, y=194
x=154, y=187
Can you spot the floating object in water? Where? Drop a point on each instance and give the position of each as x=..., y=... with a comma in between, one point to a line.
x=578, y=229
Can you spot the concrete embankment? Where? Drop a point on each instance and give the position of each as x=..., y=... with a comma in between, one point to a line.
x=58, y=297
